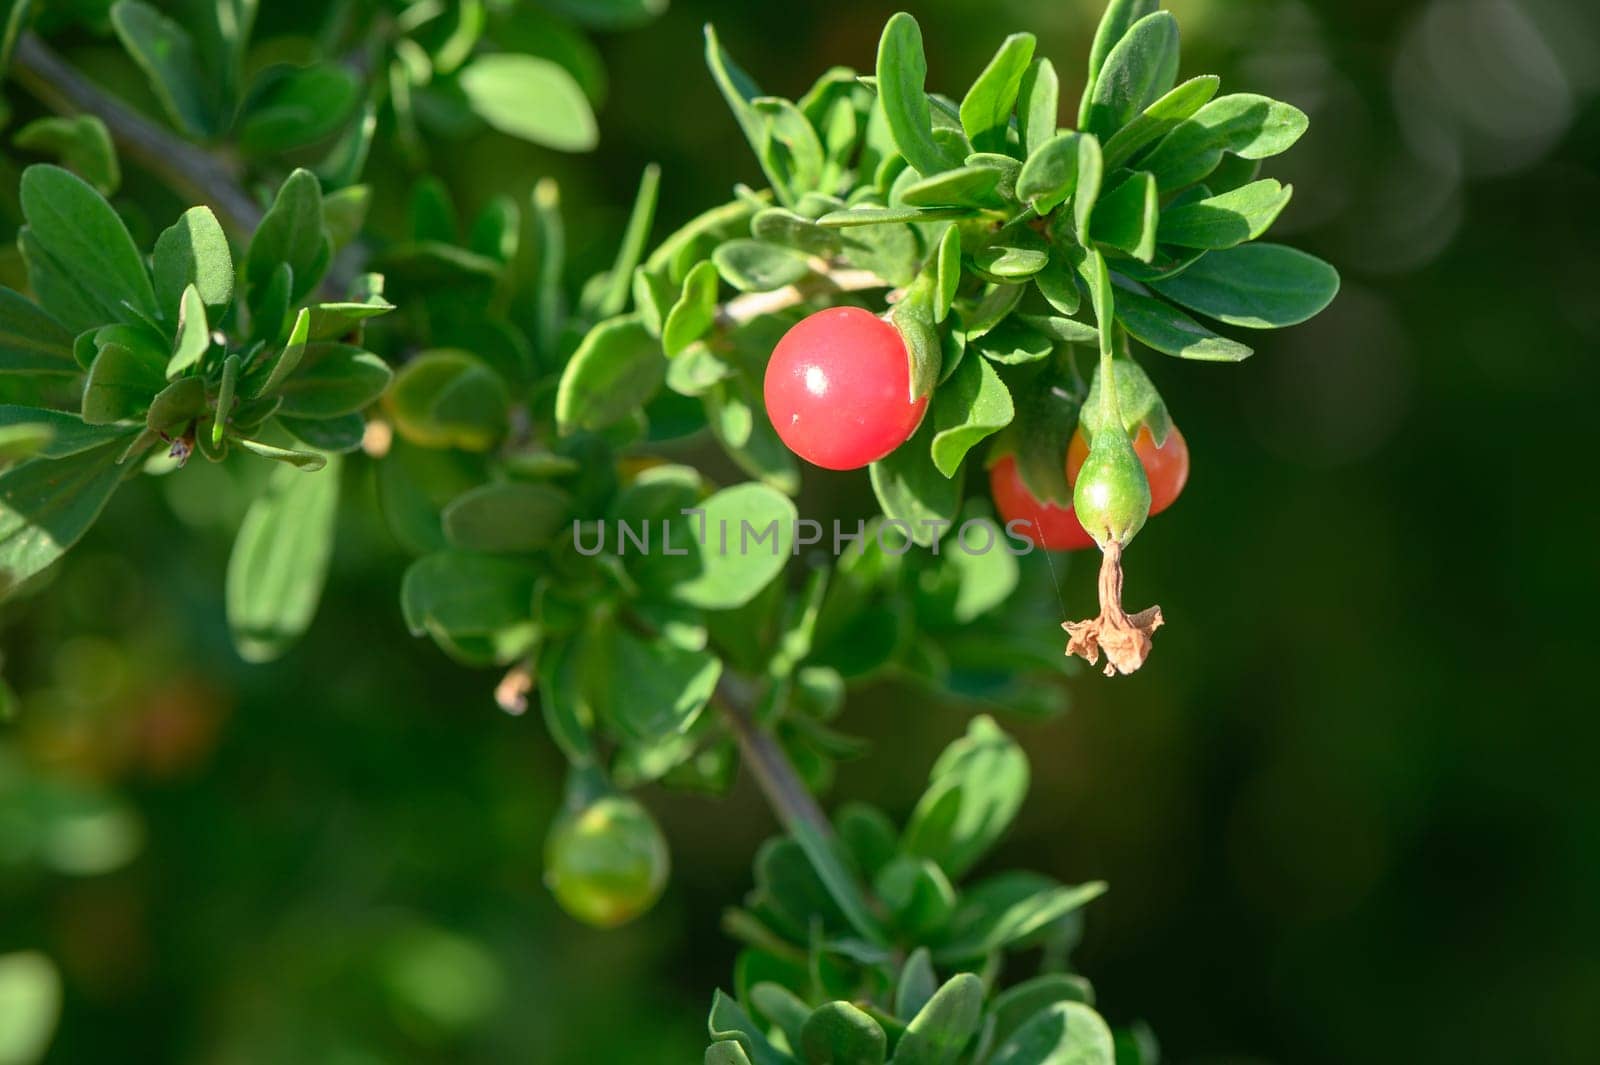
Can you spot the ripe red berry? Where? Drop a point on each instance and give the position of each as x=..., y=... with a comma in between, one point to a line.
x=1167, y=466
x=1047, y=525
x=838, y=389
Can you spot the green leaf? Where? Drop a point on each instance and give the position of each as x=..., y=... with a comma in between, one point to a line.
x=945, y=1024
x=902, y=70
x=691, y=316
x=838, y=1033
x=225, y=389
x=1160, y=118
x=776, y=225
x=986, y=109
x=1245, y=124
x=30, y=988
x=167, y=55
x=1087, y=194
x=967, y=186
x=280, y=561
x=1038, y=105
x=741, y=92
x=973, y=405
x=911, y=490
x=729, y=1022
x=1014, y=342
x=916, y=985
x=822, y=852
x=1139, y=405
x=449, y=399
x=1126, y=217
x=290, y=107
x=14, y=18
x=83, y=145
x=1057, y=283
x=1258, y=286
x=947, y=273
x=1066, y=1033
x=871, y=215
x=1016, y=255
x=738, y=543
x=30, y=340
x=756, y=266
x=82, y=263
x=1047, y=415
x=463, y=595
x=47, y=505
x=782, y=1007
x=650, y=690
x=634, y=238
x=563, y=700
x=193, y=251
x=1172, y=332
x=738, y=419
x=996, y=305
x=287, y=360
x=1051, y=173
x=121, y=384
x=913, y=318
x=1224, y=221
x=987, y=773
x=67, y=433
x=1115, y=22
x=174, y=407
x=506, y=516
x=1138, y=71
x=1007, y=908
x=340, y=435
x=532, y=99
x=432, y=211
x=194, y=333
x=918, y=894
x=1015, y=1006
x=726, y=1053
x=291, y=233
x=303, y=461
x=615, y=371
x=792, y=143
x=332, y=380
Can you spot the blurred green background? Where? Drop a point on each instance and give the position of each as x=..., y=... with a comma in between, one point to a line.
x=1348, y=813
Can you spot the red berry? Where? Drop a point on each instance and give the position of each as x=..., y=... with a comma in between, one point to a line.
x=1045, y=525
x=838, y=389
x=1166, y=467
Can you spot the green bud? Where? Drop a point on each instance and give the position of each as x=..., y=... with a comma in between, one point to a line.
x=606, y=862
x=1112, y=496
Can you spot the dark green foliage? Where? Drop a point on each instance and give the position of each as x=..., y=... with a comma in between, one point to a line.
x=882, y=998
x=520, y=426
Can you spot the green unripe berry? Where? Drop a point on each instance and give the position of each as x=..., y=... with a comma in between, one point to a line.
x=1112, y=495
x=607, y=862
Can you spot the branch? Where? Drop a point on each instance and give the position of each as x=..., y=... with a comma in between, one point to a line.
x=199, y=175
x=786, y=793
x=742, y=309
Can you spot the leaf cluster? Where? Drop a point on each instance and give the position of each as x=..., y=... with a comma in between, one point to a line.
x=864, y=946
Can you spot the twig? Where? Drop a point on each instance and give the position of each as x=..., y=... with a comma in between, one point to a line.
x=193, y=171
x=786, y=793
x=752, y=305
